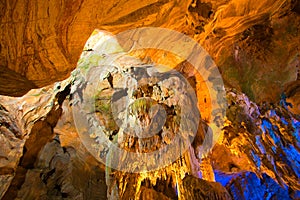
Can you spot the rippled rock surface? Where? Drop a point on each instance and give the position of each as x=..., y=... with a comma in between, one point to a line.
x=257, y=156
x=43, y=156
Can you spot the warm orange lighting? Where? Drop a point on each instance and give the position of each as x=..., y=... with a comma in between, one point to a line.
x=171, y=61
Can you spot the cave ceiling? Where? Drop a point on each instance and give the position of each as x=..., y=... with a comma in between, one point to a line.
x=254, y=43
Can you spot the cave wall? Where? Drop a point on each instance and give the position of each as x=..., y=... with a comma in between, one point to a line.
x=43, y=157
x=254, y=43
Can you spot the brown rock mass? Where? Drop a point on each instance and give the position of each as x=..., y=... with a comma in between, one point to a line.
x=254, y=43
x=47, y=152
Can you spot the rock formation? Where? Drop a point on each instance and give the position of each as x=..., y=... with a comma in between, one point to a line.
x=57, y=83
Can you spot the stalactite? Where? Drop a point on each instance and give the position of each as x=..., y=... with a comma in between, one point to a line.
x=207, y=170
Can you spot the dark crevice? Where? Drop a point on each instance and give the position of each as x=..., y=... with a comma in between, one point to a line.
x=203, y=9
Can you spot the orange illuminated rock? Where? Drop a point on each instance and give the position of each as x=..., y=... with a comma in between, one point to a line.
x=41, y=42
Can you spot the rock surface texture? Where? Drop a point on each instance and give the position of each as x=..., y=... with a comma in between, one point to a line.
x=130, y=102
x=255, y=44
x=43, y=157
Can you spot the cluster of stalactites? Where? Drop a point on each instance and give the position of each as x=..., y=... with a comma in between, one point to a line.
x=171, y=175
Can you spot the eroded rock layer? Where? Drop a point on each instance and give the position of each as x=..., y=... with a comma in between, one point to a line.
x=47, y=154
x=257, y=155
x=255, y=44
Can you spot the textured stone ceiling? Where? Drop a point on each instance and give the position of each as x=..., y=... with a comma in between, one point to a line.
x=254, y=43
